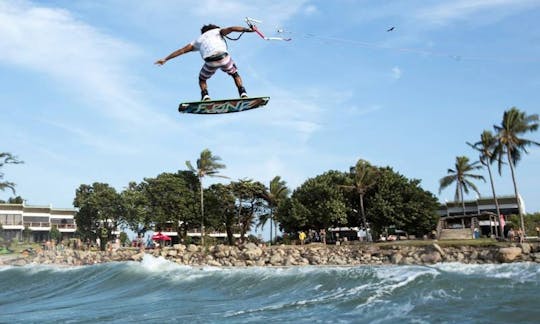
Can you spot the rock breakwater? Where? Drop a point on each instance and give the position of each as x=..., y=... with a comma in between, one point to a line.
x=293, y=255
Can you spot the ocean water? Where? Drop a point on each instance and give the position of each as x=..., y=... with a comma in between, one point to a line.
x=158, y=291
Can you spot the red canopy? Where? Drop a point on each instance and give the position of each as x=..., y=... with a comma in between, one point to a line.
x=160, y=237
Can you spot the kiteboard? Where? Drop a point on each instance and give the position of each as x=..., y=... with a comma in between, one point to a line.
x=222, y=106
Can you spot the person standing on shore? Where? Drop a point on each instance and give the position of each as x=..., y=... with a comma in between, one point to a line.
x=302, y=237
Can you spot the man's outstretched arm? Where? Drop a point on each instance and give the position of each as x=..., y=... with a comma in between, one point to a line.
x=228, y=30
x=183, y=50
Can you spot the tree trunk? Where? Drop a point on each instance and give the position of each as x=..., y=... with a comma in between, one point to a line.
x=462, y=198
x=202, y=213
x=275, y=231
x=239, y=218
x=496, y=204
x=230, y=236
x=364, y=216
x=271, y=221
x=522, y=225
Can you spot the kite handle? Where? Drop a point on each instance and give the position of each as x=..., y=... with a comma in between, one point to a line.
x=252, y=24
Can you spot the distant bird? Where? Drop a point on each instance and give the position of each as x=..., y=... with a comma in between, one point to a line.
x=390, y=29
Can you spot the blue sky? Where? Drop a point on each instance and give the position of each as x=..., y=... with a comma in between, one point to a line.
x=82, y=101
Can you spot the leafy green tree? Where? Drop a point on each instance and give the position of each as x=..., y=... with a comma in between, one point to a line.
x=172, y=198
x=100, y=211
x=276, y=193
x=532, y=224
x=7, y=158
x=511, y=144
x=317, y=203
x=249, y=195
x=55, y=234
x=485, y=148
x=461, y=175
x=13, y=200
x=137, y=216
x=364, y=176
x=291, y=216
x=207, y=165
x=396, y=200
x=221, y=208
x=27, y=233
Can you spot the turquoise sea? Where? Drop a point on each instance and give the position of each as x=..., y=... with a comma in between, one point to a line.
x=158, y=291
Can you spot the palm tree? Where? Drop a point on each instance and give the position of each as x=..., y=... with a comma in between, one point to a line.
x=364, y=177
x=461, y=176
x=485, y=147
x=277, y=192
x=509, y=143
x=207, y=165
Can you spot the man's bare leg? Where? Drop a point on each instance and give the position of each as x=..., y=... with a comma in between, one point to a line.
x=239, y=85
x=204, y=90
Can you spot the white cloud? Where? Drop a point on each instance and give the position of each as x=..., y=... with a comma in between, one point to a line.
x=311, y=10
x=81, y=58
x=396, y=73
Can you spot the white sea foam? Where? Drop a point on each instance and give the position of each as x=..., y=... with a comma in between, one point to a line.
x=6, y=267
x=157, y=264
x=438, y=294
x=35, y=268
x=392, y=278
x=521, y=272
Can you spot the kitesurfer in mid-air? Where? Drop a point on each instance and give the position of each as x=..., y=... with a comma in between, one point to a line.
x=213, y=48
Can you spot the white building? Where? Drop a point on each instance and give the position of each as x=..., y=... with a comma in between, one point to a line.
x=37, y=221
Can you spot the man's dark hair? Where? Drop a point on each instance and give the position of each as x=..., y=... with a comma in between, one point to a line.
x=208, y=27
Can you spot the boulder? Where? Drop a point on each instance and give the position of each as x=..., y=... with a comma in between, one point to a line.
x=213, y=263
x=396, y=258
x=179, y=247
x=221, y=251
x=276, y=259
x=509, y=254
x=525, y=247
x=536, y=256
x=431, y=257
x=252, y=251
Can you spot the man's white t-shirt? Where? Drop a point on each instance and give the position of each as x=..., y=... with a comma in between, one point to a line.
x=210, y=43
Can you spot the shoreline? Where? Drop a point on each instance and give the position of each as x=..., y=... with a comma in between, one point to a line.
x=250, y=255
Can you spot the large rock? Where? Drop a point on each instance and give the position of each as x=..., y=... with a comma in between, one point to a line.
x=536, y=256
x=396, y=258
x=509, y=254
x=179, y=247
x=431, y=257
x=221, y=251
x=525, y=247
x=252, y=251
x=213, y=263
x=276, y=259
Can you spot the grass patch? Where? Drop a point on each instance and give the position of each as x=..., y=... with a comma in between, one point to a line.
x=446, y=243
